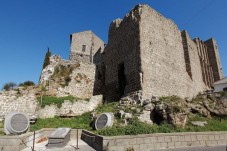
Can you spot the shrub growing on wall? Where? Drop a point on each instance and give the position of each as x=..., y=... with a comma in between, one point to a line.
x=47, y=58
x=9, y=86
x=27, y=83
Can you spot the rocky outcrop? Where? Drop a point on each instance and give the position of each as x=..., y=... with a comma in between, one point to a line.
x=66, y=77
x=199, y=123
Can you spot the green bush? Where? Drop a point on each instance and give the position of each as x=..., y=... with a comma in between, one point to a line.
x=9, y=86
x=27, y=83
x=47, y=59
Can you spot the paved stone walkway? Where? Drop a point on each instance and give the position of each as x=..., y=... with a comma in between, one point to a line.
x=71, y=146
x=215, y=148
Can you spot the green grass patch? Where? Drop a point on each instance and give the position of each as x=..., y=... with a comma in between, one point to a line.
x=82, y=122
x=2, y=133
x=1, y=124
x=107, y=107
x=48, y=100
x=136, y=127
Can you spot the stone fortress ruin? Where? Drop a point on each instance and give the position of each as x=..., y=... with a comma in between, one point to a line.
x=146, y=55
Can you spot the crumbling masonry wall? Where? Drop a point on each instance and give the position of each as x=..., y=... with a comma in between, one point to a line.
x=122, y=58
x=194, y=59
x=214, y=59
x=163, y=62
x=206, y=68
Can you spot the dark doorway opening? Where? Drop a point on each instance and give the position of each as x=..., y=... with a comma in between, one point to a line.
x=156, y=117
x=121, y=79
x=225, y=89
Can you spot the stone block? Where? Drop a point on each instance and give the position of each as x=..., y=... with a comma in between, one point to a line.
x=153, y=139
x=175, y=138
x=168, y=139
x=136, y=147
x=116, y=148
x=184, y=144
x=199, y=137
x=143, y=147
x=211, y=137
x=150, y=146
x=222, y=137
x=177, y=144
x=164, y=145
x=193, y=138
x=140, y=140
x=132, y=141
x=170, y=145
x=146, y=140
x=161, y=139
x=157, y=146
x=216, y=137
x=187, y=138
x=122, y=142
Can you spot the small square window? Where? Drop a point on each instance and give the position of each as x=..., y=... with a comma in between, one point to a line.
x=83, y=48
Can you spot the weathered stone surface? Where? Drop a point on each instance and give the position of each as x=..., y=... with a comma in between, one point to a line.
x=49, y=111
x=149, y=107
x=120, y=113
x=199, y=123
x=49, y=70
x=128, y=115
x=71, y=108
x=146, y=117
x=10, y=101
x=160, y=60
x=200, y=109
x=81, y=79
x=147, y=101
x=179, y=119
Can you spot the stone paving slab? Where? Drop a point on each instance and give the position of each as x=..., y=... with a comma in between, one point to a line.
x=214, y=148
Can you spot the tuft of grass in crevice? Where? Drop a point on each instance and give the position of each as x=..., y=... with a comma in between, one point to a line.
x=48, y=100
x=107, y=107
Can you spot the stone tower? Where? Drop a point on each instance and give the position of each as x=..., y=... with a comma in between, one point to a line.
x=148, y=55
x=86, y=47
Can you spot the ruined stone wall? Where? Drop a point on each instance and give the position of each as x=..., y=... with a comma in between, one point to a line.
x=122, y=58
x=82, y=82
x=213, y=56
x=195, y=64
x=97, y=49
x=206, y=68
x=10, y=101
x=163, y=64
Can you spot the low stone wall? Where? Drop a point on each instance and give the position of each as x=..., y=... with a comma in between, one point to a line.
x=17, y=143
x=10, y=102
x=155, y=141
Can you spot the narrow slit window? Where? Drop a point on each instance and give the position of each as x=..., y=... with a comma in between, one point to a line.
x=83, y=48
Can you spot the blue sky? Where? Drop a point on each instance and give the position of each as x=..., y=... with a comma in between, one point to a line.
x=29, y=27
